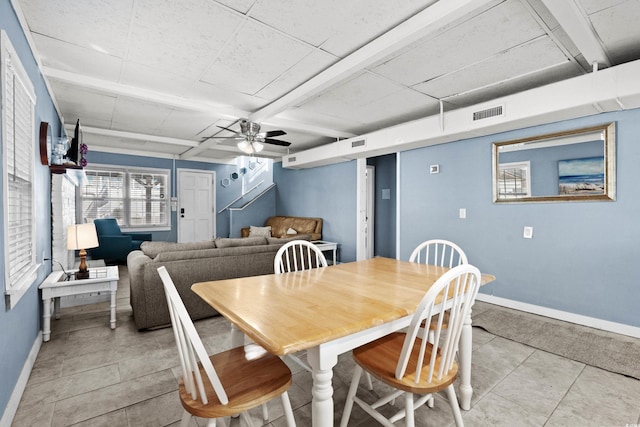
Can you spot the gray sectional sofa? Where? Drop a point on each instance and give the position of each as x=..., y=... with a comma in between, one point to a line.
x=188, y=263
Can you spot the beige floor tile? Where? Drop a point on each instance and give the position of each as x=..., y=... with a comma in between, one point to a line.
x=599, y=398
x=540, y=382
x=496, y=411
x=111, y=419
x=107, y=399
x=158, y=411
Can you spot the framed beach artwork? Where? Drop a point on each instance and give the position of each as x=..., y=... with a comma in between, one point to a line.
x=581, y=176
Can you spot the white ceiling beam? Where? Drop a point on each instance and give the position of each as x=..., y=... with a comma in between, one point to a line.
x=132, y=135
x=307, y=128
x=109, y=88
x=577, y=26
x=423, y=23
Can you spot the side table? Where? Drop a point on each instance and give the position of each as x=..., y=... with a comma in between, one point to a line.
x=327, y=246
x=54, y=286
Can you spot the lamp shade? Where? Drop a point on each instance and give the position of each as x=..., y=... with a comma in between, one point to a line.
x=82, y=236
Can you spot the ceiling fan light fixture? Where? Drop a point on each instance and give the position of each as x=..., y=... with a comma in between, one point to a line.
x=250, y=147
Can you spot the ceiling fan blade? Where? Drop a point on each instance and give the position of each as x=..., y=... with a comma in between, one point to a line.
x=276, y=142
x=274, y=133
x=237, y=138
x=230, y=130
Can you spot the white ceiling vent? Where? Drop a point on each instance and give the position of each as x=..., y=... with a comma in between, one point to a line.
x=291, y=159
x=358, y=143
x=488, y=113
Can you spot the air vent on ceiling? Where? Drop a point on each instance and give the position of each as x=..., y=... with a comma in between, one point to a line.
x=291, y=159
x=487, y=113
x=358, y=143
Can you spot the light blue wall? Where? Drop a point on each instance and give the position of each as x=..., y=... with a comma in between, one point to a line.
x=224, y=195
x=582, y=256
x=19, y=327
x=327, y=192
x=255, y=214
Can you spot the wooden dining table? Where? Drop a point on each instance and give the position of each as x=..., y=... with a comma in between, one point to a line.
x=330, y=311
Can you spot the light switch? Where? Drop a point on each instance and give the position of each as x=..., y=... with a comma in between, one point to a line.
x=463, y=213
x=528, y=233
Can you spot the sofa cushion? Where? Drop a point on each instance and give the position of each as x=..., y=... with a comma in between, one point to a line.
x=152, y=249
x=255, y=231
x=249, y=241
x=282, y=240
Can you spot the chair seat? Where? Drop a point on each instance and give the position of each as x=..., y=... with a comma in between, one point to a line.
x=250, y=375
x=380, y=359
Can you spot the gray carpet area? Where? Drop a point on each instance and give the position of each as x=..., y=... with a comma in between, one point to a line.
x=605, y=350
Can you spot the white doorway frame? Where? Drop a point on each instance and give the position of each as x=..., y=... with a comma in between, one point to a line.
x=212, y=181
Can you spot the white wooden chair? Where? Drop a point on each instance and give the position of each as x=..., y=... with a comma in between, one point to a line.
x=298, y=255
x=442, y=253
x=246, y=377
x=411, y=364
x=438, y=252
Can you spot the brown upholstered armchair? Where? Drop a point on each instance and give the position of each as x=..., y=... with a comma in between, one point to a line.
x=281, y=224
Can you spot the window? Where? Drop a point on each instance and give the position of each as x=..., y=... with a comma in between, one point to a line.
x=137, y=198
x=18, y=141
x=514, y=180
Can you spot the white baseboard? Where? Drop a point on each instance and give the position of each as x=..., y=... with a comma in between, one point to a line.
x=592, y=322
x=18, y=390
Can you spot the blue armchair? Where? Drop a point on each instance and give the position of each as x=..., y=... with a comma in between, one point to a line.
x=114, y=244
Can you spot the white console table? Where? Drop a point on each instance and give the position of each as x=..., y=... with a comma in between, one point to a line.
x=54, y=286
x=327, y=246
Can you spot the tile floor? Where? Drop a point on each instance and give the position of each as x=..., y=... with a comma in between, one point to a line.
x=90, y=375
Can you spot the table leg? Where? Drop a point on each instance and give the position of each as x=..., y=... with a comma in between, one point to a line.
x=466, y=391
x=322, y=391
x=113, y=309
x=237, y=336
x=56, y=307
x=46, y=319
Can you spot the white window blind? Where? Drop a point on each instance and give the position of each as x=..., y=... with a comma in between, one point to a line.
x=18, y=124
x=137, y=198
x=514, y=180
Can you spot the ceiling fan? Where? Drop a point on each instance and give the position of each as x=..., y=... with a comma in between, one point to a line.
x=251, y=140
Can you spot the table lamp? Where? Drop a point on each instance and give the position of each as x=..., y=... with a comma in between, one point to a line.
x=82, y=237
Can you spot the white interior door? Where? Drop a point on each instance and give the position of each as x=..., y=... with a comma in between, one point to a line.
x=196, y=205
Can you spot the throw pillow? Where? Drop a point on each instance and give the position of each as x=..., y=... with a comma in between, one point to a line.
x=259, y=231
x=291, y=231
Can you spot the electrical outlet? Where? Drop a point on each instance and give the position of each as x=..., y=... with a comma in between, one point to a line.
x=528, y=233
x=463, y=213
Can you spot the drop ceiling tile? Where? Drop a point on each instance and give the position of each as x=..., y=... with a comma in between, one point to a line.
x=76, y=102
x=186, y=124
x=155, y=79
x=132, y=115
x=298, y=74
x=398, y=107
x=77, y=59
x=365, y=23
x=525, y=59
x=356, y=92
x=308, y=20
x=540, y=78
x=254, y=58
x=495, y=30
x=241, y=6
x=593, y=6
x=182, y=40
x=223, y=95
x=100, y=25
x=618, y=29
